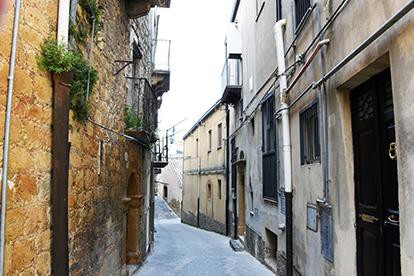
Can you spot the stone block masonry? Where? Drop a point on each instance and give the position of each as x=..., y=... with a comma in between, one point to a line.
x=97, y=214
x=206, y=222
x=28, y=237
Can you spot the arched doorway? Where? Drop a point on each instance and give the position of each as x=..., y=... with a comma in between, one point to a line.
x=133, y=221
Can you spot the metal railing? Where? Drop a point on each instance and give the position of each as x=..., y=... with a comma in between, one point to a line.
x=232, y=73
x=143, y=108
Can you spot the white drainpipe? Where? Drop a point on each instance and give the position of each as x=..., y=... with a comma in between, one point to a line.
x=280, y=54
x=63, y=22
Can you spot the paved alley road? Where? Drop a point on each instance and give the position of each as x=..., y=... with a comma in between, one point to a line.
x=184, y=250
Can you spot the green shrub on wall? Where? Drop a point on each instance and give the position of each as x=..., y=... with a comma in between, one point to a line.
x=94, y=12
x=57, y=59
x=132, y=120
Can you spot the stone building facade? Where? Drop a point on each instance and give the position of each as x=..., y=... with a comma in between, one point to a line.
x=204, y=186
x=350, y=134
x=110, y=172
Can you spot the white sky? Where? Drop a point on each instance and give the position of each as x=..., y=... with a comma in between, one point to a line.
x=196, y=29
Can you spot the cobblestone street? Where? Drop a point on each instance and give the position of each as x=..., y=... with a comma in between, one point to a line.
x=184, y=250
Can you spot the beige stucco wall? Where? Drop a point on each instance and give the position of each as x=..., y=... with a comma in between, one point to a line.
x=393, y=47
x=203, y=166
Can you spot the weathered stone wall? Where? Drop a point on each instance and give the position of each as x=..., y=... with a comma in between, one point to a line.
x=96, y=218
x=28, y=210
x=189, y=218
x=208, y=223
x=254, y=244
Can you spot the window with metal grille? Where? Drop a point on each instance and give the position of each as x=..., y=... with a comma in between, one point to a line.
x=309, y=135
x=301, y=6
x=270, y=180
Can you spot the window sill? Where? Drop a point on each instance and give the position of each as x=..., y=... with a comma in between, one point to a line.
x=270, y=201
x=311, y=164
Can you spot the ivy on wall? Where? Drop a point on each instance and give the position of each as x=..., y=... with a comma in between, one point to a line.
x=57, y=59
x=90, y=12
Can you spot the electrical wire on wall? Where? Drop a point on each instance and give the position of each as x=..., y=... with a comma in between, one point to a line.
x=290, y=69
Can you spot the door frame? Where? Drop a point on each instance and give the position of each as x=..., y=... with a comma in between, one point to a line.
x=378, y=117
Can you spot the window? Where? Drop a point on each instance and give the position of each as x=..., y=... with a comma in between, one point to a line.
x=209, y=191
x=219, y=135
x=197, y=147
x=270, y=179
x=309, y=135
x=209, y=140
x=301, y=7
x=278, y=10
x=219, y=188
x=269, y=131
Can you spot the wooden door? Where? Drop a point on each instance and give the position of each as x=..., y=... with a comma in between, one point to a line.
x=376, y=183
x=242, y=205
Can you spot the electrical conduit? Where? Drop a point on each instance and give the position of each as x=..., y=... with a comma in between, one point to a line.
x=7, y=134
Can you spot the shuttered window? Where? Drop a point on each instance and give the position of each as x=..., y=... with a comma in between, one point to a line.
x=270, y=180
x=301, y=6
x=278, y=10
x=309, y=135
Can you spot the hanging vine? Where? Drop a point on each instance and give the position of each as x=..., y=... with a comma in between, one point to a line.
x=57, y=59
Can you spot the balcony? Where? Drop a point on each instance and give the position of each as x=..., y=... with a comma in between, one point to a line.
x=161, y=156
x=138, y=8
x=231, y=79
x=141, y=113
x=161, y=73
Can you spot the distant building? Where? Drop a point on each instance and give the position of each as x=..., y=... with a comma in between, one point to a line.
x=170, y=182
x=205, y=186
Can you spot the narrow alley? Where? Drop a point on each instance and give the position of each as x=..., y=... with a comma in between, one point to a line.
x=221, y=137
x=184, y=250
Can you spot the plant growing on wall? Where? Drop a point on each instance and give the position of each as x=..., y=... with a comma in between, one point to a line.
x=93, y=11
x=132, y=120
x=57, y=59
x=81, y=30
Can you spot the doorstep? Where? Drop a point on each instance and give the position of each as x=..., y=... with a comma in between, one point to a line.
x=236, y=245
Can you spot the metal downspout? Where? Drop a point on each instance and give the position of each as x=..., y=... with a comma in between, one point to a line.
x=287, y=164
x=323, y=120
x=7, y=134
